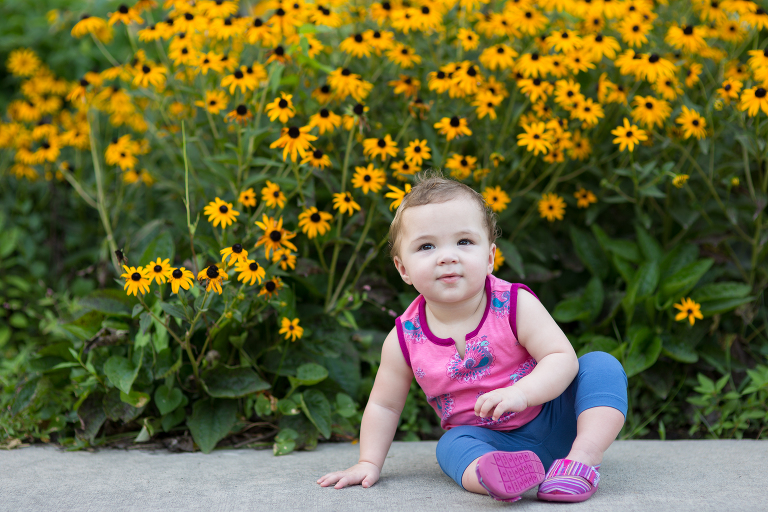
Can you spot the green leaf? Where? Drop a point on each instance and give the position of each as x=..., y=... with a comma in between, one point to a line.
x=8, y=241
x=160, y=247
x=318, y=410
x=288, y=407
x=108, y=301
x=24, y=397
x=593, y=297
x=714, y=307
x=649, y=247
x=173, y=310
x=308, y=374
x=174, y=418
x=644, y=350
x=211, y=421
x=571, y=310
x=285, y=441
x=135, y=398
x=589, y=252
x=225, y=382
x=5, y=335
x=624, y=248
x=345, y=406
x=599, y=344
x=677, y=258
x=625, y=268
x=719, y=291
x=682, y=281
x=511, y=256
x=167, y=399
x=121, y=372
x=679, y=350
x=647, y=279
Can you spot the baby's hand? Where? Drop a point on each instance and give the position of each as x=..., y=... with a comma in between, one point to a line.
x=500, y=401
x=362, y=472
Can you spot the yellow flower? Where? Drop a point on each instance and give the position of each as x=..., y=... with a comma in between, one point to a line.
x=274, y=237
x=249, y=270
x=753, y=100
x=368, y=179
x=385, y=147
x=498, y=260
x=235, y=254
x=247, y=198
x=286, y=259
x=180, y=277
x=551, y=207
x=23, y=62
x=272, y=195
x=692, y=123
x=680, y=180
x=344, y=202
x=313, y=222
x=534, y=139
x=461, y=166
x=325, y=120
x=417, y=151
x=689, y=309
x=584, y=198
x=453, y=127
x=271, y=287
x=294, y=140
x=215, y=276
x=159, y=270
x=215, y=101
x=281, y=108
x=219, y=211
x=397, y=195
x=628, y=135
x=136, y=280
x=291, y=329
x=496, y=198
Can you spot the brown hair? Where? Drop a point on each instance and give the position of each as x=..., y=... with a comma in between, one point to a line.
x=433, y=188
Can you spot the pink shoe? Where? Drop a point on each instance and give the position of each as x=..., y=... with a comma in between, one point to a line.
x=507, y=475
x=569, y=481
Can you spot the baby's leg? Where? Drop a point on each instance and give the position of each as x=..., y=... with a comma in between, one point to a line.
x=596, y=429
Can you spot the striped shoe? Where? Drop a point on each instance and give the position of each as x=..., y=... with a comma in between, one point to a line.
x=507, y=475
x=569, y=481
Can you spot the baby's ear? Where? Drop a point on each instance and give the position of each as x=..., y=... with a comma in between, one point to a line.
x=492, y=258
x=402, y=270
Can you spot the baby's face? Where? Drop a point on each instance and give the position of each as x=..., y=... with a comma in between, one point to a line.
x=445, y=252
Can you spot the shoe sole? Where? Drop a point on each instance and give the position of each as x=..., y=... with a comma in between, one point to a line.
x=507, y=475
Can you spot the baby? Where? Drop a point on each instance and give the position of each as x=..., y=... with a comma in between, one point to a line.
x=519, y=408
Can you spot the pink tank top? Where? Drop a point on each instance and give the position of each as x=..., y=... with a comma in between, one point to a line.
x=493, y=359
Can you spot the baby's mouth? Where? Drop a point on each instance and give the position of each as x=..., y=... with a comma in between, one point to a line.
x=449, y=278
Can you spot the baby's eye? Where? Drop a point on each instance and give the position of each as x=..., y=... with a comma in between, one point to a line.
x=425, y=247
x=463, y=240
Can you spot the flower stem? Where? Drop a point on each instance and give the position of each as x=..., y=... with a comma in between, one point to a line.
x=190, y=228
x=337, y=246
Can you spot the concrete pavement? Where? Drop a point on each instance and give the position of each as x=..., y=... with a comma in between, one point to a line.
x=636, y=475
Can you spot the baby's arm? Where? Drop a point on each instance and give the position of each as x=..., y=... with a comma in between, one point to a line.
x=390, y=389
x=556, y=367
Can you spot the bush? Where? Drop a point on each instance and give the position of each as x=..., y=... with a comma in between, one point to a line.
x=232, y=175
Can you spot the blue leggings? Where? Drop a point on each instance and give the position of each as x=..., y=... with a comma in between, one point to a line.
x=601, y=381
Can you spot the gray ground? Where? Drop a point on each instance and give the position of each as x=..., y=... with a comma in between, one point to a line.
x=635, y=475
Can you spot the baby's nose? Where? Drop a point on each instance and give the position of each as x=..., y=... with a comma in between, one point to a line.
x=448, y=256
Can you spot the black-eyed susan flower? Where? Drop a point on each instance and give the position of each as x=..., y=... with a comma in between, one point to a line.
x=653, y=67
x=212, y=277
x=274, y=237
x=496, y=158
x=317, y=159
x=136, y=280
x=496, y=198
x=688, y=309
x=158, y=270
x=439, y=81
x=650, y=111
x=88, y=25
x=149, y=74
x=356, y=45
x=498, y=260
x=680, y=180
x=247, y=198
x=669, y=88
x=403, y=168
x=533, y=65
x=689, y=38
x=345, y=203
x=271, y=287
x=628, y=135
x=281, y=108
x=239, y=78
x=753, y=100
x=124, y=15
x=730, y=89
x=453, y=127
x=382, y=147
x=235, y=253
x=23, y=62
x=323, y=94
x=534, y=88
x=405, y=85
x=468, y=39
x=368, y=179
x=325, y=120
x=634, y=31
x=692, y=124
x=294, y=141
x=215, y=101
x=461, y=166
x=272, y=195
x=240, y=115
x=180, y=277
x=584, y=198
x=403, y=55
x=285, y=257
x=314, y=222
x=249, y=270
x=397, y=194
x=220, y=212
x=551, y=207
x=599, y=45
x=291, y=329
x=535, y=138
x=417, y=151
x=499, y=56
x=588, y=112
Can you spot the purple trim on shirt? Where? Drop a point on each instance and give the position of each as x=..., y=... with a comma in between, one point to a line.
x=513, y=305
x=401, y=339
x=446, y=342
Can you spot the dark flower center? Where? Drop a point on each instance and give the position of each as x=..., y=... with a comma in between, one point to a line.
x=377, y=35
x=325, y=89
x=228, y=22
x=324, y=113
x=760, y=92
x=276, y=193
x=345, y=72
x=315, y=217
x=407, y=81
x=455, y=122
x=177, y=274
x=382, y=143
x=653, y=59
x=463, y=162
x=629, y=133
x=358, y=38
x=189, y=16
x=212, y=272
x=257, y=22
x=253, y=267
x=347, y=198
x=367, y=177
x=145, y=68
x=158, y=268
x=358, y=109
x=242, y=110
x=279, y=51
x=440, y=75
x=317, y=154
x=599, y=38
x=695, y=122
x=689, y=311
x=238, y=74
x=472, y=71
x=136, y=276
x=635, y=28
x=275, y=235
x=84, y=82
x=237, y=248
x=184, y=51
x=649, y=105
x=425, y=10
x=282, y=103
x=223, y=208
x=536, y=136
x=528, y=14
x=404, y=51
x=688, y=30
x=417, y=149
x=123, y=9
x=270, y=286
x=294, y=132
